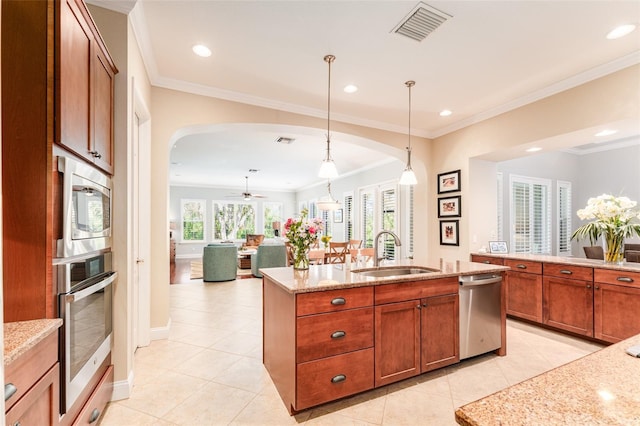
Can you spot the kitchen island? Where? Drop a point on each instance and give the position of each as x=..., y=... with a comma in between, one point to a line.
x=331, y=332
x=599, y=389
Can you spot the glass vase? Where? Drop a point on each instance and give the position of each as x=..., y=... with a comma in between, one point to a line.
x=613, y=246
x=300, y=258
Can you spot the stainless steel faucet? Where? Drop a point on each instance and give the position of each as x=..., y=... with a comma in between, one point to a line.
x=376, y=259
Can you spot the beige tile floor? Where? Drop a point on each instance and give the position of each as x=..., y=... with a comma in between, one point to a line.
x=209, y=371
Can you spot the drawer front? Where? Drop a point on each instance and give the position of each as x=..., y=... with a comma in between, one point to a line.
x=323, y=335
x=610, y=276
x=568, y=271
x=488, y=260
x=331, y=378
x=524, y=266
x=401, y=292
x=333, y=300
x=98, y=400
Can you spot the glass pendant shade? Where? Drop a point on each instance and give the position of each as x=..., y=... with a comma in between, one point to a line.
x=328, y=169
x=408, y=177
x=326, y=202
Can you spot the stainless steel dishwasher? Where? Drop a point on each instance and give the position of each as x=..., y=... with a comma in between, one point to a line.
x=480, y=327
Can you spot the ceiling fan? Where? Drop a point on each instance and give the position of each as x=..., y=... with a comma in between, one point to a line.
x=246, y=195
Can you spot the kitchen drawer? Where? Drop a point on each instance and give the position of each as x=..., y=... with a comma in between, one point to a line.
x=524, y=266
x=568, y=271
x=98, y=400
x=611, y=276
x=324, y=335
x=401, y=292
x=30, y=367
x=335, y=377
x=488, y=260
x=333, y=300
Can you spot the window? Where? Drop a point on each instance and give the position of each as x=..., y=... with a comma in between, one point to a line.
x=326, y=217
x=348, y=217
x=233, y=220
x=193, y=213
x=530, y=215
x=367, y=199
x=388, y=204
x=272, y=213
x=564, y=218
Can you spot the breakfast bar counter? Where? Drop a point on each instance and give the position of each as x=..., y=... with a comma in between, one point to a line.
x=599, y=389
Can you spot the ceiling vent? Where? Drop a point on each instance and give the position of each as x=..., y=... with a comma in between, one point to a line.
x=420, y=22
x=285, y=140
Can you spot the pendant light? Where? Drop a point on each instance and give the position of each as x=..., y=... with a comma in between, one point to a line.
x=328, y=167
x=327, y=202
x=408, y=177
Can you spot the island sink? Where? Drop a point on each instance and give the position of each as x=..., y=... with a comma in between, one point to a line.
x=394, y=271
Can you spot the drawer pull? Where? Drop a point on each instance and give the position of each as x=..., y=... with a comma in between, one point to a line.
x=565, y=271
x=338, y=334
x=338, y=301
x=9, y=390
x=339, y=378
x=521, y=266
x=487, y=262
x=625, y=279
x=94, y=415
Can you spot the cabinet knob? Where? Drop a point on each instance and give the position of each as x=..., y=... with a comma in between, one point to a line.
x=521, y=266
x=339, y=378
x=487, y=262
x=424, y=305
x=95, y=154
x=9, y=390
x=94, y=415
x=338, y=301
x=418, y=307
x=338, y=334
x=588, y=285
x=597, y=287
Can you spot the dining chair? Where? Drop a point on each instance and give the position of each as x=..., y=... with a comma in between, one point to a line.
x=338, y=252
x=632, y=255
x=355, y=244
x=633, y=247
x=289, y=248
x=366, y=254
x=594, y=252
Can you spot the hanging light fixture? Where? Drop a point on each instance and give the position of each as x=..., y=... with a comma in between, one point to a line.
x=328, y=167
x=327, y=202
x=408, y=177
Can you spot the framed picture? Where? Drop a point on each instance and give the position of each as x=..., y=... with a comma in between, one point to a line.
x=337, y=216
x=449, y=206
x=498, y=247
x=449, y=182
x=449, y=233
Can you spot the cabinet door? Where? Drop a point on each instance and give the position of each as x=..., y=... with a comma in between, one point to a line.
x=40, y=405
x=524, y=295
x=568, y=305
x=616, y=312
x=440, y=345
x=102, y=147
x=397, y=341
x=74, y=88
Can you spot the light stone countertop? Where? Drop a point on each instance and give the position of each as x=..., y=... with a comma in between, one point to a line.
x=577, y=261
x=599, y=389
x=21, y=336
x=336, y=276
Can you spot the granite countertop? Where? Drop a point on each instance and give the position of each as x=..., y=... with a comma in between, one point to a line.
x=338, y=276
x=599, y=389
x=578, y=261
x=21, y=336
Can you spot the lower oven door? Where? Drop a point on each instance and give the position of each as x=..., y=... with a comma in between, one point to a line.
x=86, y=336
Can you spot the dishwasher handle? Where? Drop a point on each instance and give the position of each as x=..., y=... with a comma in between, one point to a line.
x=479, y=281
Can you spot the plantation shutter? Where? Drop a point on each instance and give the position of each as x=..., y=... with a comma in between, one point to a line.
x=500, y=208
x=530, y=215
x=348, y=217
x=564, y=218
x=367, y=200
x=388, y=220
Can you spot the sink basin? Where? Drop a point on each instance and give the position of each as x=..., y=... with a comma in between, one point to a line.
x=395, y=271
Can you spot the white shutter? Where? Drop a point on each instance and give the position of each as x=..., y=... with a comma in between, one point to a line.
x=564, y=218
x=530, y=215
x=348, y=217
x=388, y=219
x=500, y=208
x=367, y=205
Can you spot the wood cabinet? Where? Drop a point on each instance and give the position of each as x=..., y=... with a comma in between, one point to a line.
x=524, y=289
x=85, y=87
x=567, y=295
x=616, y=304
x=487, y=260
x=33, y=382
x=95, y=406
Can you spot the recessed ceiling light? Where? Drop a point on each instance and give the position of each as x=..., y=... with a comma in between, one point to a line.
x=620, y=31
x=201, y=50
x=534, y=149
x=350, y=88
x=606, y=132
x=445, y=113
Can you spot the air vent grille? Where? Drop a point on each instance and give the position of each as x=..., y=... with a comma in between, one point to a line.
x=420, y=22
x=285, y=140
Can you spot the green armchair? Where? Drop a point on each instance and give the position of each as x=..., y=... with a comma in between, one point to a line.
x=219, y=262
x=268, y=256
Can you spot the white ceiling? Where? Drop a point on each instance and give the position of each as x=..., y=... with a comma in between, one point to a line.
x=489, y=57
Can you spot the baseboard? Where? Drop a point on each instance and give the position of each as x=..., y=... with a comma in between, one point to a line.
x=160, y=333
x=122, y=389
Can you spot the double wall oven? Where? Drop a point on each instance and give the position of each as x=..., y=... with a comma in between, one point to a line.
x=84, y=276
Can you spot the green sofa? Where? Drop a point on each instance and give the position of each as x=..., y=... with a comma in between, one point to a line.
x=219, y=262
x=268, y=256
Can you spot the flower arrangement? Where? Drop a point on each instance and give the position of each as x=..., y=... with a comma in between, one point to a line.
x=613, y=220
x=302, y=233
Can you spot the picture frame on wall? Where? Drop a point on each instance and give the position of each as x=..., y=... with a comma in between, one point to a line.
x=449, y=235
x=449, y=182
x=498, y=247
x=449, y=206
x=337, y=216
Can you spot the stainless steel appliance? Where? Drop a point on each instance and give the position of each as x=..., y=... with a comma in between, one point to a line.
x=85, y=305
x=86, y=208
x=480, y=325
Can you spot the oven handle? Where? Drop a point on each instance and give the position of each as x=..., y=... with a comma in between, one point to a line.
x=74, y=297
